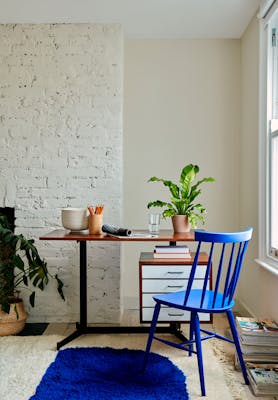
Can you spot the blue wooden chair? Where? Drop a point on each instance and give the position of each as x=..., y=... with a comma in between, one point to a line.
x=225, y=255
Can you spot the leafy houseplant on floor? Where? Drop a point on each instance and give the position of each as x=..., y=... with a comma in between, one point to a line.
x=20, y=265
x=183, y=209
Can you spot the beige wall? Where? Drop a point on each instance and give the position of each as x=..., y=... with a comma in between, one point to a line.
x=182, y=104
x=195, y=101
x=257, y=290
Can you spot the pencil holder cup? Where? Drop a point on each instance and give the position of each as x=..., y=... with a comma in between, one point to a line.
x=95, y=224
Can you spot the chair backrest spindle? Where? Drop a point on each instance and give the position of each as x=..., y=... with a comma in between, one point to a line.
x=219, y=273
x=207, y=275
x=192, y=274
x=228, y=274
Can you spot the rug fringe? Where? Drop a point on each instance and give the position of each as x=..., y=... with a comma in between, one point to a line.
x=232, y=377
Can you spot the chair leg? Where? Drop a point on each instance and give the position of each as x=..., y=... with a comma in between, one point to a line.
x=237, y=344
x=151, y=334
x=196, y=327
x=191, y=335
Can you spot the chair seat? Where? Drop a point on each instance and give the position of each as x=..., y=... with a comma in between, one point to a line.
x=176, y=300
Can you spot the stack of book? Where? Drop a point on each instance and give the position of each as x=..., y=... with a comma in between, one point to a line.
x=171, y=251
x=259, y=346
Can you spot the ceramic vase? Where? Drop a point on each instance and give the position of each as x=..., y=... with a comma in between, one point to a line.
x=181, y=223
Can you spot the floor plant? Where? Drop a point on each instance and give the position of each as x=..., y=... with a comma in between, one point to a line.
x=21, y=266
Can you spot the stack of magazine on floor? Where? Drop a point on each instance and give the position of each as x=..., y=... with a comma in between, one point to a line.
x=259, y=345
x=171, y=251
x=263, y=378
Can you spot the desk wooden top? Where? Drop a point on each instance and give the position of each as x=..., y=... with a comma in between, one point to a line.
x=164, y=236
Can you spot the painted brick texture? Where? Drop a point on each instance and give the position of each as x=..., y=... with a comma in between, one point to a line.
x=61, y=146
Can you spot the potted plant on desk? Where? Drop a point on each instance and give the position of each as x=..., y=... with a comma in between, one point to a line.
x=20, y=265
x=182, y=208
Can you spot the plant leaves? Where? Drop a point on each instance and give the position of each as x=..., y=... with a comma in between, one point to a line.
x=18, y=252
x=183, y=196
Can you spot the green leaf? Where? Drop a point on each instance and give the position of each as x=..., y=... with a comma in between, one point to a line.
x=18, y=262
x=156, y=203
x=32, y=299
x=210, y=179
x=168, y=213
x=15, y=310
x=174, y=189
x=25, y=280
x=60, y=287
x=36, y=280
x=186, y=179
x=5, y=306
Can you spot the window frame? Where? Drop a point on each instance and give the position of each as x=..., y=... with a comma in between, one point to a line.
x=266, y=259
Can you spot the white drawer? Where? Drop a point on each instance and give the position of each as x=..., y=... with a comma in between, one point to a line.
x=171, y=314
x=169, y=285
x=171, y=271
x=148, y=301
x=163, y=285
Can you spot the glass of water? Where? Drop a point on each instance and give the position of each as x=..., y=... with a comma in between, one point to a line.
x=154, y=222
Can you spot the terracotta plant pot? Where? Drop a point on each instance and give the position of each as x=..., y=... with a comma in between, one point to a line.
x=181, y=224
x=13, y=323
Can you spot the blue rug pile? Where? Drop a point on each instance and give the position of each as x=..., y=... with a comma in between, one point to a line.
x=94, y=373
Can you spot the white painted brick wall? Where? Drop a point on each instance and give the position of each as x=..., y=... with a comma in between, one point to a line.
x=61, y=145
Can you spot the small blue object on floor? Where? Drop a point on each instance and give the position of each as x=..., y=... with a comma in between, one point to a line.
x=94, y=373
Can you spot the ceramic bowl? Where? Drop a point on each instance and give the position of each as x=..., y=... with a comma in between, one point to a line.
x=75, y=219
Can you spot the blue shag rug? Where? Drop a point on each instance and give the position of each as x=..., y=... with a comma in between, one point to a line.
x=94, y=373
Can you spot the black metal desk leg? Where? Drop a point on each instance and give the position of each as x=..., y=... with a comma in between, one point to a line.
x=83, y=285
x=82, y=325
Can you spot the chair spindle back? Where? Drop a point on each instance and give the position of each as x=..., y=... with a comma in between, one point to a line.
x=226, y=254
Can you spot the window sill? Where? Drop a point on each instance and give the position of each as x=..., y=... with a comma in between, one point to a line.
x=268, y=265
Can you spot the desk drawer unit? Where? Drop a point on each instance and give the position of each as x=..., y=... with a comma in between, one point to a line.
x=158, y=276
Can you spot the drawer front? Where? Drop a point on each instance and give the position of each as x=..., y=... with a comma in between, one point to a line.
x=171, y=271
x=171, y=314
x=148, y=301
x=163, y=285
x=168, y=285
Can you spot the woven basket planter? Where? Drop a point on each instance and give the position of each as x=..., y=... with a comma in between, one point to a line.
x=13, y=323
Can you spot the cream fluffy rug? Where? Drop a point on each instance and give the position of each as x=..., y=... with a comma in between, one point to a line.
x=23, y=361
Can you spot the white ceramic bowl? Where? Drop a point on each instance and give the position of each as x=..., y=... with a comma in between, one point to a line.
x=75, y=219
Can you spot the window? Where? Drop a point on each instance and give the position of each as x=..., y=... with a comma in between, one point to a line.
x=273, y=139
x=269, y=136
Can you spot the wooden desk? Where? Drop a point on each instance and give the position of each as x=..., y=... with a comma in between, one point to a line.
x=82, y=327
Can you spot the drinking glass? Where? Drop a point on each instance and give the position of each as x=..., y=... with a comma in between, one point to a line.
x=154, y=222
